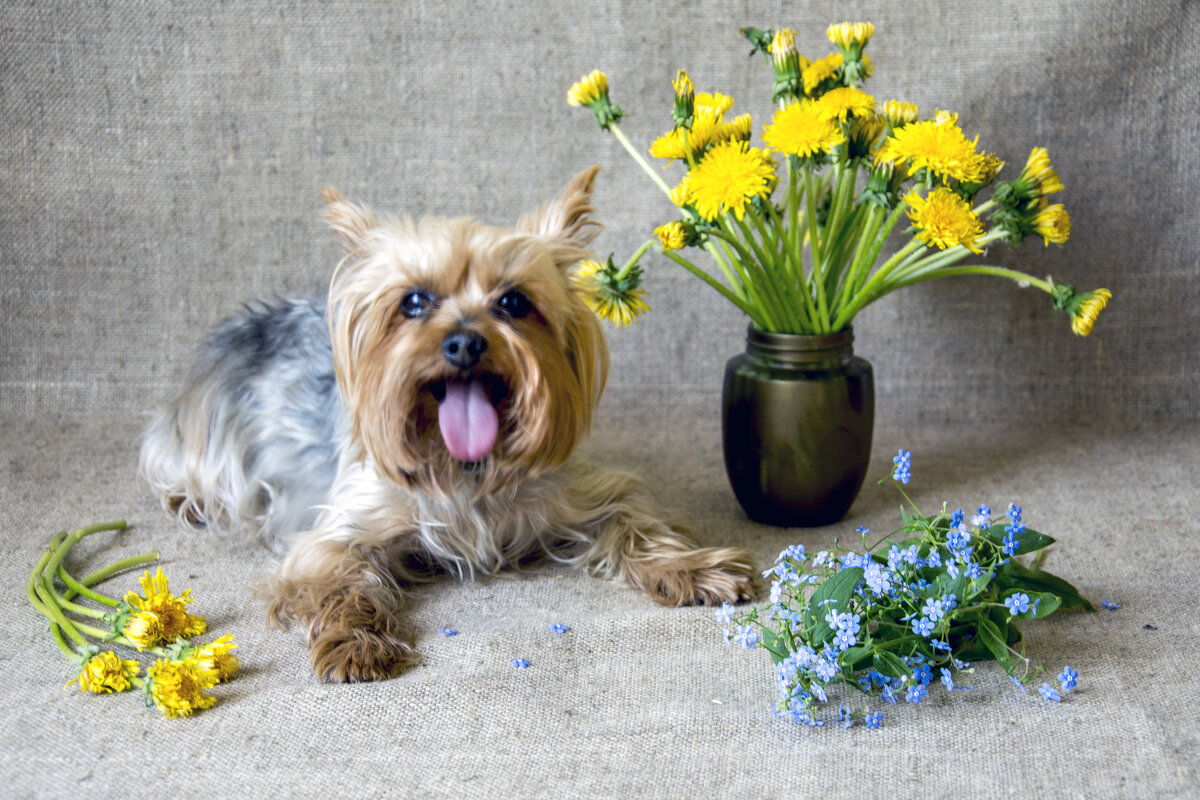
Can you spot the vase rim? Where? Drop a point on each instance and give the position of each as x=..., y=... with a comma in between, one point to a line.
x=799, y=344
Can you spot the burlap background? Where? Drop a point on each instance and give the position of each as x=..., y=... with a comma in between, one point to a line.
x=160, y=164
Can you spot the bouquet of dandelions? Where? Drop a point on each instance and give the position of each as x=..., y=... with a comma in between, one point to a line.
x=799, y=253
x=920, y=604
x=156, y=622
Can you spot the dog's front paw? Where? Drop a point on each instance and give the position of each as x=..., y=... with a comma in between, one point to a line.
x=709, y=576
x=362, y=654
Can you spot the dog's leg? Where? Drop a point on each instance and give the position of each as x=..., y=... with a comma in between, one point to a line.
x=630, y=542
x=347, y=594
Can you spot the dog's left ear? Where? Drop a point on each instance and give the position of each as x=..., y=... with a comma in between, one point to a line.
x=350, y=221
x=565, y=220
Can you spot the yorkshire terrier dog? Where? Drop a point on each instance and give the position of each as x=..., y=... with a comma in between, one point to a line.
x=424, y=419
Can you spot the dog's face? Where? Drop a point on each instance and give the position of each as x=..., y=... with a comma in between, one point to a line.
x=463, y=354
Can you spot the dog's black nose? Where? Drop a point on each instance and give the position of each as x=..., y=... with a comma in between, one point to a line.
x=464, y=349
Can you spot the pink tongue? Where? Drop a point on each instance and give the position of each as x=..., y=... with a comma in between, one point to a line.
x=468, y=421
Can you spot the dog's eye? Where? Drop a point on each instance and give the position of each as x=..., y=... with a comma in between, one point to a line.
x=514, y=304
x=416, y=304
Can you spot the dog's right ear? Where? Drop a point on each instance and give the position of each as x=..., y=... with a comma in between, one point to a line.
x=350, y=221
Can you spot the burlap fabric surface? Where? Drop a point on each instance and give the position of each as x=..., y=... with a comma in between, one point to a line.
x=160, y=164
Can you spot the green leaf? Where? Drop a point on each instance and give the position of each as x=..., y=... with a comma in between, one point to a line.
x=945, y=585
x=889, y=664
x=774, y=644
x=1041, y=604
x=833, y=593
x=1018, y=576
x=994, y=640
x=1027, y=542
x=851, y=658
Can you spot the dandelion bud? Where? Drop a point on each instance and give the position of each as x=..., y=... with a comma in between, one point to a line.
x=685, y=100
x=1083, y=307
x=671, y=235
x=591, y=91
x=850, y=39
x=143, y=628
x=679, y=193
x=786, y=61
x=898, y=114
x=1038, y=178
x=1053, y=224
x=848, y=35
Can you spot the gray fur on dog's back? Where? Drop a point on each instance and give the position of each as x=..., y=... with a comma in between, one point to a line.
x=250, y=444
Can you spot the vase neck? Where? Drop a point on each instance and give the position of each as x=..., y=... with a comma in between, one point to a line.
x=792, y=348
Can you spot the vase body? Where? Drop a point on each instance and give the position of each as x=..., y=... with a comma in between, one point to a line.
x=797, y=420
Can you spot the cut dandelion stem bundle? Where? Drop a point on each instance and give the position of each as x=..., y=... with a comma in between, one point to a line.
x=808, y=262
x=156, y=623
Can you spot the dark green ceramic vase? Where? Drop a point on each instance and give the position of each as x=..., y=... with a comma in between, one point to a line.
x=798, y=416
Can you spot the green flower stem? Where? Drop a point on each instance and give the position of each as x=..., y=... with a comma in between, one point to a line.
x=983, y=207
x=844, y=189
x=792, y=277
x=51, y=568
x=31, y=584
x=70, y=652
x=745, y=307
x=868, y=233
x=615, y=129
x=727, y=270
x=869, y=292
x=633, y=260
x=932, y=260
x=810, y=201
x=998, y=272
x=106, y=572
x=768, y=269
x=74, y=587
x=749, y=265
x=880, y=240
x=55, y=614
x=817, y=247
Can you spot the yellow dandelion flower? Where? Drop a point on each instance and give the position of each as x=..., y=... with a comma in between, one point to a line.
x=672, y=236
x=106, y=673
x=941, y=148
x=588, y=89
x=944, y=219
x=847, y=35
x=215, y=657
x=715, y=102
x=844, y=102
x=1053, y=224
x=176, y=688
x=1040, y=175
x=618, y=301
x=898, y=114
x=729, y=177
x=864, y=133
x=800, y=129
x=1085, y=312
x=708, y=127
x=738, y=128
x=169, y=609
x=671, y=145
x=818, y=72
x=144, y=629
